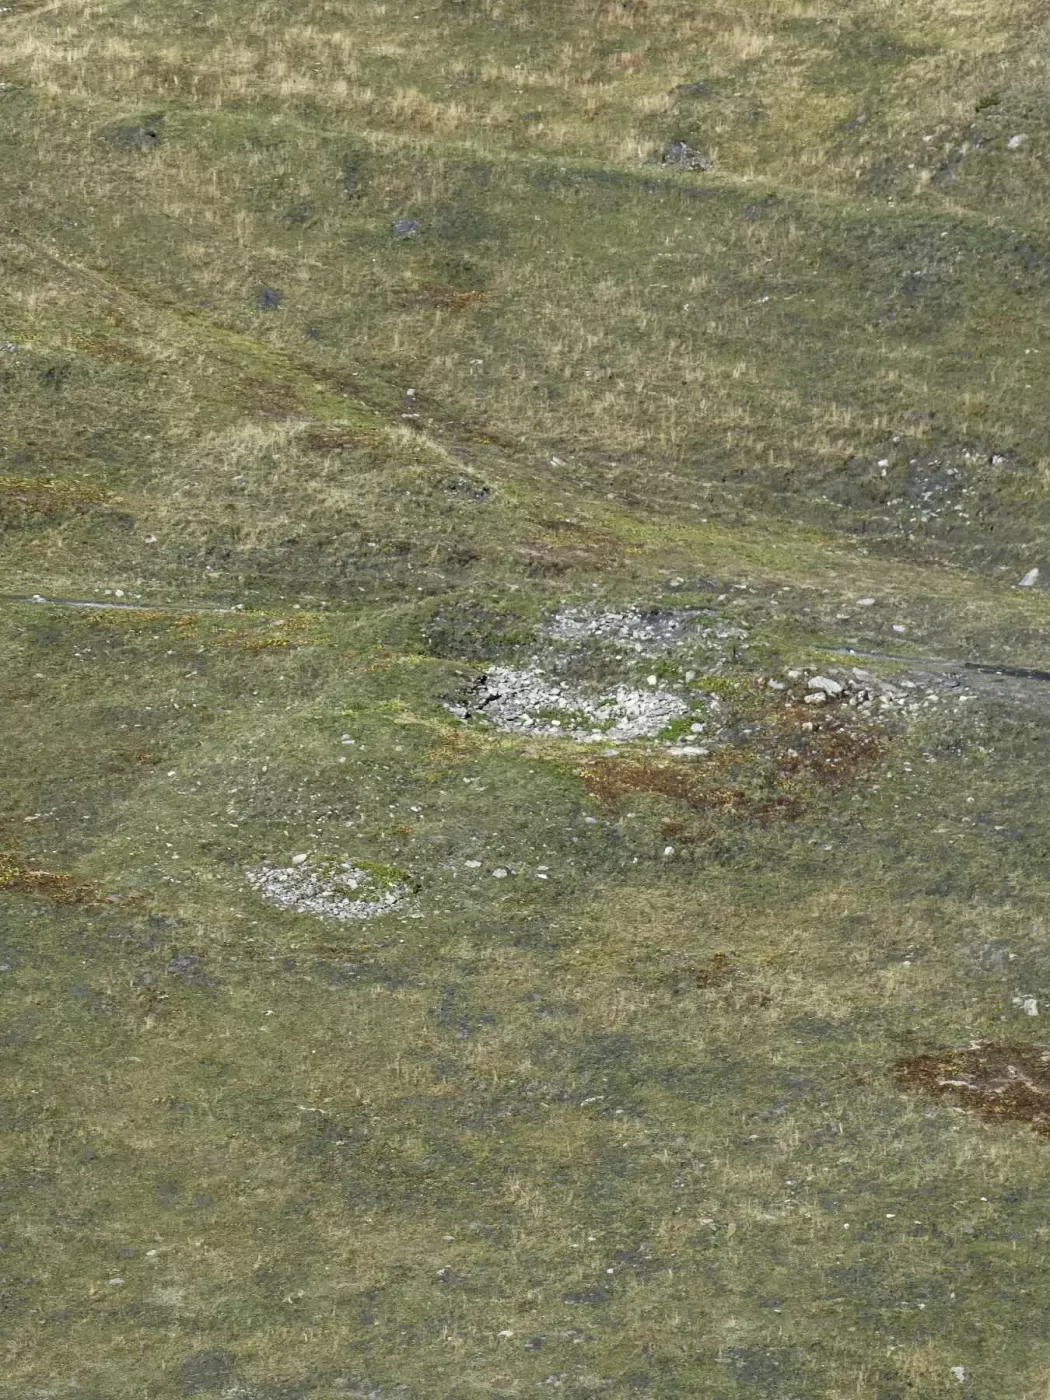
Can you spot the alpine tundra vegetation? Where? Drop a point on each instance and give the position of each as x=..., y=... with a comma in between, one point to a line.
x=525, y=697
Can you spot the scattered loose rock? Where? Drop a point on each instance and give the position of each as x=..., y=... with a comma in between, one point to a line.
x=404, y=228
x=647, y=633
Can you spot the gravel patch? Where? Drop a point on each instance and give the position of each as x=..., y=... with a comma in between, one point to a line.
x=531, y=702
x=646, y=633
x=338, y=890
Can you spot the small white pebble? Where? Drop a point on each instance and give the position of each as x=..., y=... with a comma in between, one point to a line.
x=651, y=680
x=865, y=602
x=1015, y=141
x=668, y=850
x=116, y=1282
x=500, y=873
x=300, y=859
x=899, y=627
x=959, y=1373
x=472, y=864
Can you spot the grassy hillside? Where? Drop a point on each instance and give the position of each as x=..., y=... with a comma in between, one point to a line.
x=522, y=839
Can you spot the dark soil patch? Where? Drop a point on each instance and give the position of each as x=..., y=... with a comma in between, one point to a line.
x=137, y=136
x=1001, y=1083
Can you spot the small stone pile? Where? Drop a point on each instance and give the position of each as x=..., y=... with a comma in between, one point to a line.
x=337, y=890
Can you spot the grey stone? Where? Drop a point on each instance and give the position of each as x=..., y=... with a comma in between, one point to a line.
x=405, y=228
x=826, y=684
x=682, y=157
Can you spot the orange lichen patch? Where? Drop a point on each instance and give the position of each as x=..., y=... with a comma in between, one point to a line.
x=60, y=889
x=1001, y=1083
x=435, y=294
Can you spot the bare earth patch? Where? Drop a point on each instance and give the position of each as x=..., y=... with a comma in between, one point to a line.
x=1001, y=1083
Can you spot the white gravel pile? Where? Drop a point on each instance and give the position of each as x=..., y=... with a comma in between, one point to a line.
x=336, y=891
x=531, y=702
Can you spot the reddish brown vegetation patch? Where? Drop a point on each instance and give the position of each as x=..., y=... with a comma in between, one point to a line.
x=699, y=786
x=1002, y=1083
x=716, y=972
x=332, y=440
x=767, y=776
